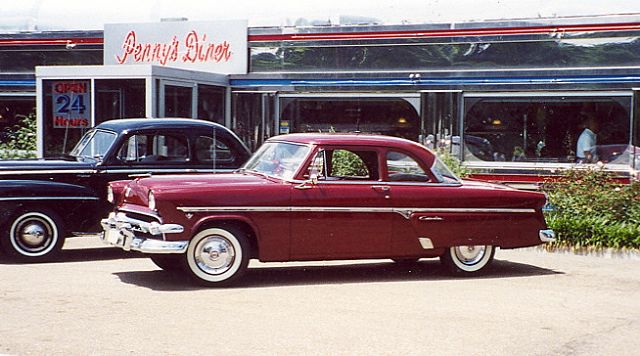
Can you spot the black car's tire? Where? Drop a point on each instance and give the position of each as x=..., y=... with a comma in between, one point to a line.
x=468, y=260
x=33, y=235
x=169, y=263
x=218, y=257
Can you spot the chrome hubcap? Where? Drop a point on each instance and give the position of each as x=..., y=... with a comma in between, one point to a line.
x=470, y=255
x=33, y=234
x=214, y=255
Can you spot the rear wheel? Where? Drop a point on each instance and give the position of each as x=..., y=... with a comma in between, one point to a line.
x=218, y=256
x=467, y=260
x=34, y=236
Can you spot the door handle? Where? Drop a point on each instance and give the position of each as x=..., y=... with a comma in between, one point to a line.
x=430, y=218
x=384, y=188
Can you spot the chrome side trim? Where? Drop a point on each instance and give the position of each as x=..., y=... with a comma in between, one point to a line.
x=49, y=172
x=48, y=198
x=405, y=212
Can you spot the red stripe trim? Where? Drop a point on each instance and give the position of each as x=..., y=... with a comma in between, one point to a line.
x=49, y=41
x=442, y=33
x=368, y=35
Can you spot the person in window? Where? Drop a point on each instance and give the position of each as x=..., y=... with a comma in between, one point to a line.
x=586, y=147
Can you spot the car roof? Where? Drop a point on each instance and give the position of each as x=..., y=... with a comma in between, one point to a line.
x=346, y=139
x=119, y=125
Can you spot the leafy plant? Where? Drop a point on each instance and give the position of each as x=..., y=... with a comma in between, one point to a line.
x=21, y=139
x=348, y=164
x=590, y=208
x=454, y=164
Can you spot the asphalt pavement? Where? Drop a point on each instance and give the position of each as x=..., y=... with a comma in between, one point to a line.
x=102, y=301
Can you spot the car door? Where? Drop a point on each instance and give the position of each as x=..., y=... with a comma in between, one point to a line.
x=346, y=213
x=431, y=214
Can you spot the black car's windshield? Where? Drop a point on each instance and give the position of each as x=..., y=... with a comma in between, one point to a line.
x=94, y=144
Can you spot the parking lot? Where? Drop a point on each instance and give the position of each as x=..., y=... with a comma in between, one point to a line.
x=101, y=301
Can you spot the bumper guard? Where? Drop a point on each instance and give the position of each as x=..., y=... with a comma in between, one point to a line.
x=120, y=231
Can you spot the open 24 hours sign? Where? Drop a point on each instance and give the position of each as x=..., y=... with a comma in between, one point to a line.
x=71, y=104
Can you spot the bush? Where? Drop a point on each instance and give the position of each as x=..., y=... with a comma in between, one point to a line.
x=21, y=139
x=452, y=162
x=589, y=208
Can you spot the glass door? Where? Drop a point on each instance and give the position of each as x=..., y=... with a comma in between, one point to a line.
x=177, y=99
x=253, y=117
x=440, y=120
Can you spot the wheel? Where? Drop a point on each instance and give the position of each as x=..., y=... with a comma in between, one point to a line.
x=169, y=263
x=218, y=256
x=466, y=260
x=34, y=236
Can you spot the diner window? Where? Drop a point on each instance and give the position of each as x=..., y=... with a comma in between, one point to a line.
x=119, y=98
x=211, y=103
x=545, y=128
x=389, y=116
x=156, y=149
x=12, y=110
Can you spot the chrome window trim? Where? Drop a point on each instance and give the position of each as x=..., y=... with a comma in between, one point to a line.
x=405, y=212
x=48, y=198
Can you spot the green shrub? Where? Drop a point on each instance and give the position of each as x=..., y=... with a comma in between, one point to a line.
x=453, y=163
x=589, y=208
x=21, y=142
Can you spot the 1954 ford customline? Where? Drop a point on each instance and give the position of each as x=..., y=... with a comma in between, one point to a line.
x=322, y=197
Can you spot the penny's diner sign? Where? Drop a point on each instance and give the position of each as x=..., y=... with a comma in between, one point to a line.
x=219, y=47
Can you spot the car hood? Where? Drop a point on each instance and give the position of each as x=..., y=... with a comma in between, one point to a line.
x=199, y=188
x=49, y=165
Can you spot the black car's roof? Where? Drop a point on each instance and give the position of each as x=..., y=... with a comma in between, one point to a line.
x=154, y=123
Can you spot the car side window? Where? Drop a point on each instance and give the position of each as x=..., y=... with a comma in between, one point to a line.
x=347, y=164
x=210, y=149
x=154, y=148
x=403, y=168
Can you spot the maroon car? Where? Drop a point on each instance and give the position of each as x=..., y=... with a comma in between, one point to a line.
x=308, y=197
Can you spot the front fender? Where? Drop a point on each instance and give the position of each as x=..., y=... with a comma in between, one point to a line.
x=76, y=204
x=212, y=219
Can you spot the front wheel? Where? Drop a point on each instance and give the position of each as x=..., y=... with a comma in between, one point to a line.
x=467, y=260
x=218, y=256
x=34, y=236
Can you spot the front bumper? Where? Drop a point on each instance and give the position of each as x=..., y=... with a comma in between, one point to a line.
x=120, y=231
x=547, y=235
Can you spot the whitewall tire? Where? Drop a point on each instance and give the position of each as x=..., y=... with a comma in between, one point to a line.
x=466, y=260
x=34, y=236
x=218, y=256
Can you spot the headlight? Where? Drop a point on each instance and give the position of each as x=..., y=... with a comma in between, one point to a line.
x=152, y=201
x=110, y=197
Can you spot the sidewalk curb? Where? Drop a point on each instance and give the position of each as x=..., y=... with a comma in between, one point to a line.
x=613, y=253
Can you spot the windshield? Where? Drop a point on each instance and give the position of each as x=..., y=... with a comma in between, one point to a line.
x=443, y=173
x=94, y=144
x=277, y=159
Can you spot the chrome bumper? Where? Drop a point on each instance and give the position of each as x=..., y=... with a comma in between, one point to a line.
x=547, y=235
x=120, y=231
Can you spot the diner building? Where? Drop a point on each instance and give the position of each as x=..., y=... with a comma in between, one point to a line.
x=509, y=98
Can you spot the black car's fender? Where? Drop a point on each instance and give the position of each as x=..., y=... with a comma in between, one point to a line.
x=62, y=198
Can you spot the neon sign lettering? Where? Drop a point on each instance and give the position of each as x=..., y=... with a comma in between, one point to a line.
x=196, y=50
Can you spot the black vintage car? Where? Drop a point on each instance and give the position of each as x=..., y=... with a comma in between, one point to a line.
x=42, y=201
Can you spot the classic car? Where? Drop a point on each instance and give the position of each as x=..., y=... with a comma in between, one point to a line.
x=304, y=197
x=44, y=200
